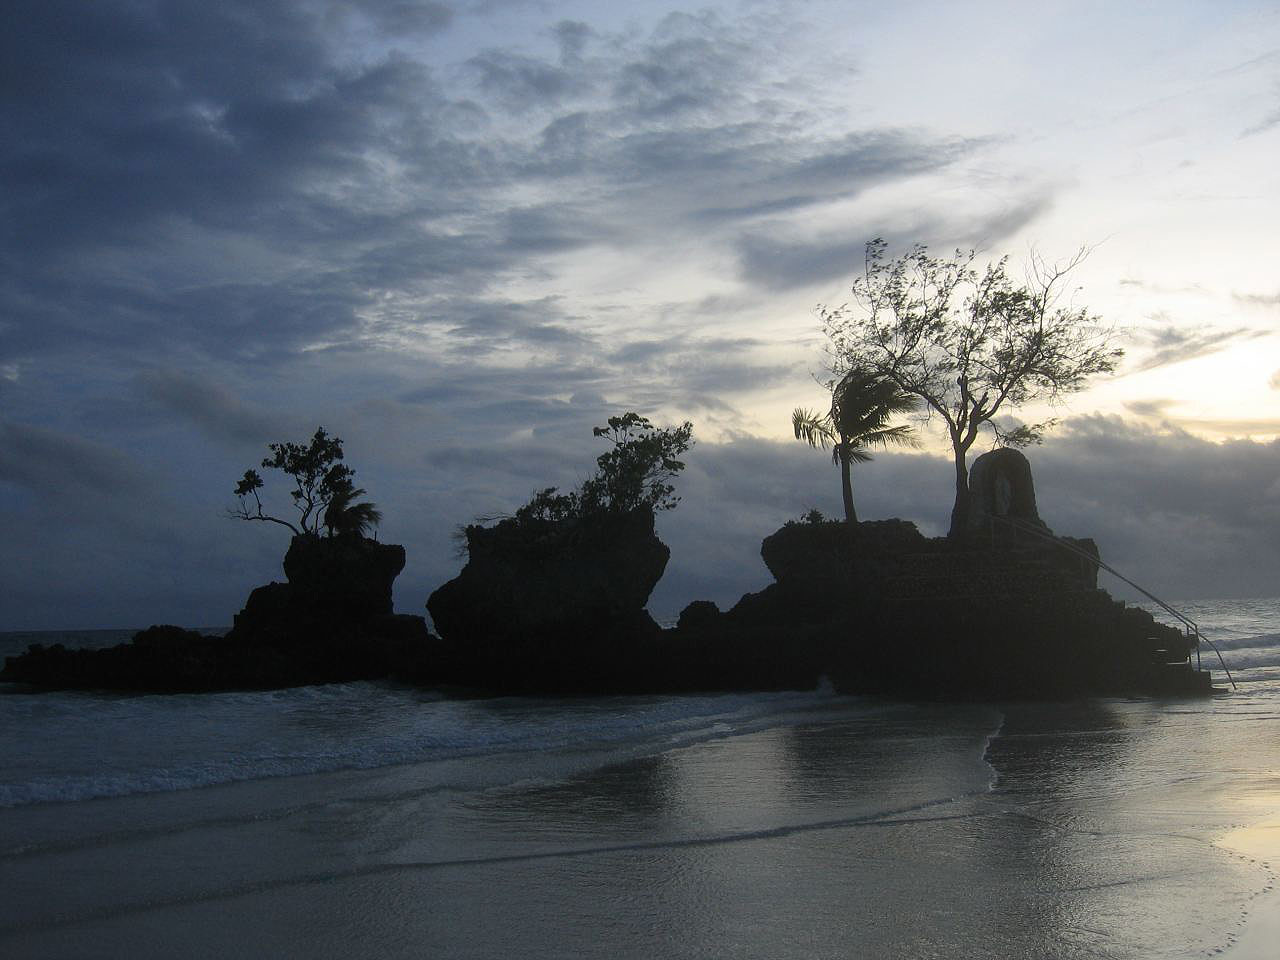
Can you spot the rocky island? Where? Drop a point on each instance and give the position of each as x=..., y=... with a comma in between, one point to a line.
x=552, y=601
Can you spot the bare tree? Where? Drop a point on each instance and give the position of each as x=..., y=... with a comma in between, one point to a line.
x=969, y=343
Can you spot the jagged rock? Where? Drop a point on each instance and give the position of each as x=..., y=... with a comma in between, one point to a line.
x=552, y=605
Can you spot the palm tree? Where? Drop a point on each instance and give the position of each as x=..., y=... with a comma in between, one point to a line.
x=344, y=517
x=862, y=404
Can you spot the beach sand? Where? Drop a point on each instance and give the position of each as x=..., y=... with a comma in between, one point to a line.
x=1259, y=844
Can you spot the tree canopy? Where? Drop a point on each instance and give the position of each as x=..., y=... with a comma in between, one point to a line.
x=862, y=406
x=637, y=472
x=969, y=343
x=324, y=492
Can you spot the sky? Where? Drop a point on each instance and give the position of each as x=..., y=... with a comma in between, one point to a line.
x=460, y=234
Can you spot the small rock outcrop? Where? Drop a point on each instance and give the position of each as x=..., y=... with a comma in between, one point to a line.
x=336, y=587
x=552, y=605
x=331, y=621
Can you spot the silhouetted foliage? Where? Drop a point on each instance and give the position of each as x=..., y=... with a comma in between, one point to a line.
x=969, y=343
x=344, y=517
x=811, y=516
x=862, y=404
x=549, y=504
x=323, y=493
x=637, y=472
x=639, y=469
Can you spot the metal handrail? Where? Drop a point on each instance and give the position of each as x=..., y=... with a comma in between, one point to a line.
x=1190, y=625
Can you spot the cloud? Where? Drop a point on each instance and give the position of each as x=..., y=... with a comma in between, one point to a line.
x=62, y=467
x=1151, y=408
x=519, y=82
x=1274, y=381
x=1158, y=409
x=1169, y=344
x=207, y=405
x=1183, y=516
x=782, y=259
x=1257, y=299
x=234, y=221
x=1269, y=121
x=1180, y=515
x=256, y=181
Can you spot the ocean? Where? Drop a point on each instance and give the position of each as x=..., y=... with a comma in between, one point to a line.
x=375, y=820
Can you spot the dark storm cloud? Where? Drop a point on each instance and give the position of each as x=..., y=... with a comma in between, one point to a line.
x=1168, y=344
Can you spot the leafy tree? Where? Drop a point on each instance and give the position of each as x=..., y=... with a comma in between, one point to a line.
x=969, y=343
x=635, y=473
x=862, y=404
x=639, y=469
x=323, y=491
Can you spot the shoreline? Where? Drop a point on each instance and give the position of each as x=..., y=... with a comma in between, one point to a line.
x=1259, y=843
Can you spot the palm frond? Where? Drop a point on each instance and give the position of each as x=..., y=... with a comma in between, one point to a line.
x=813, y=428
x=902, y=434
x=342, y=516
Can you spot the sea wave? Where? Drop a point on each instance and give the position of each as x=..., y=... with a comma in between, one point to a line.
x=106, y=747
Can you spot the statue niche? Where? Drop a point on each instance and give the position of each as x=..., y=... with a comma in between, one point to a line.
x=1000, y=485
